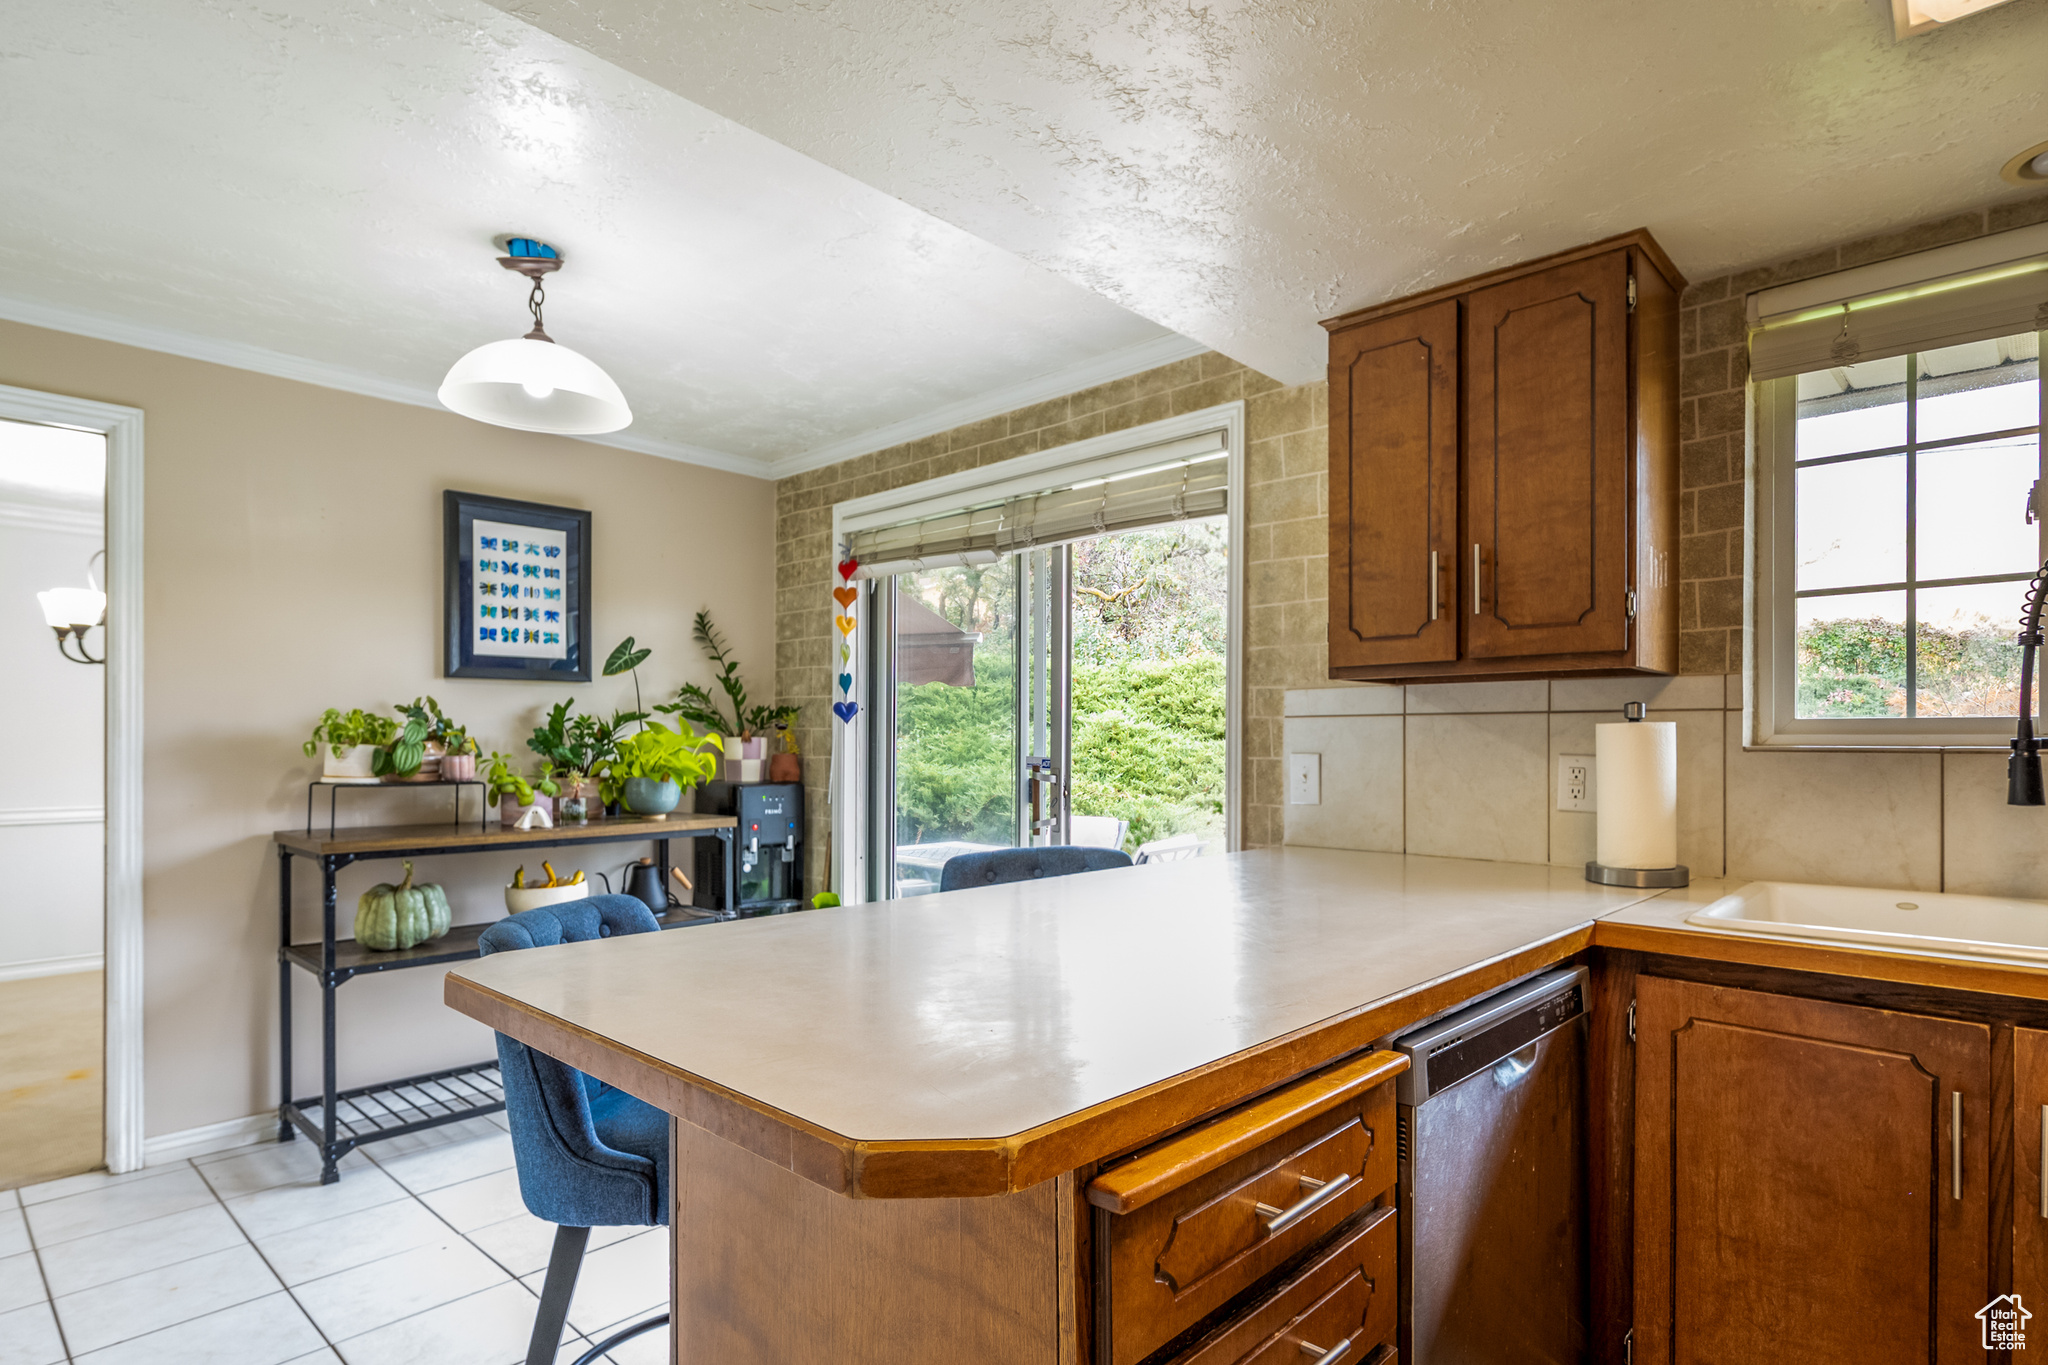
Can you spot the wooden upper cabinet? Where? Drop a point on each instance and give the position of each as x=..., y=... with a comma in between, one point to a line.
x=1505, y=451
x=1394, y=489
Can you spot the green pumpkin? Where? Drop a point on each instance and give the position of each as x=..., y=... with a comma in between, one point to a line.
x=402, y=916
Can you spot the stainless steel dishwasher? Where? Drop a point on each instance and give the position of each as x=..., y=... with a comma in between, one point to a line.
x=1491, y=1134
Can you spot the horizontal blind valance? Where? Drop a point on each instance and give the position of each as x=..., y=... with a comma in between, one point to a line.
x=1188, y=478
x=1976, y=306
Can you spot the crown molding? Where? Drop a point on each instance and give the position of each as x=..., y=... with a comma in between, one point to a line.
x=34, y=516
x=1102, y=369
x=1146, y=355
x=240, y=356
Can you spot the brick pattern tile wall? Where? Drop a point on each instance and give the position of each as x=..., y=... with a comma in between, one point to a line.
x=1714, y=431
x=1284, y=551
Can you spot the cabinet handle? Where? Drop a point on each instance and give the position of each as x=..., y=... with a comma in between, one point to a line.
x=1432, y=586
x=1319, y=1193
x=1329, y=1357
x=2044, y=1158
x=1955, y=1143
x=1475, y=578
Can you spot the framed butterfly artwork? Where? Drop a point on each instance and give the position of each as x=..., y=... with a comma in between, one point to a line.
x=515, y=589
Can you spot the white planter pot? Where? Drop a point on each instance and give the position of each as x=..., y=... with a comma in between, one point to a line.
x=353, y=764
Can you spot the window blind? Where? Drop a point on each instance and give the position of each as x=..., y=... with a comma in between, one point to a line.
x=1171, y=482
x=1974, y=305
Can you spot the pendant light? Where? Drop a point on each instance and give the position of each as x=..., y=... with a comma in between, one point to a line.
x=529, y=383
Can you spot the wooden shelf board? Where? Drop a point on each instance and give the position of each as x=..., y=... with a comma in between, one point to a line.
x=394, y=839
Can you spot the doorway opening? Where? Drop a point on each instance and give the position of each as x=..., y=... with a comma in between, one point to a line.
x=1072, y=695
x=1049, y=653
x=53, y=828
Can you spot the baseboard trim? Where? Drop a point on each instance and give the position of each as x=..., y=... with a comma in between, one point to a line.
x=208, y=1139
x=52, y=966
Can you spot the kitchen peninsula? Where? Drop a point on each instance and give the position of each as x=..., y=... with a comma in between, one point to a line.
x=969, y=1127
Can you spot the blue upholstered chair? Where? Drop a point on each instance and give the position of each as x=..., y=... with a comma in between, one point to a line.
x=1025, y=864
x=589, y=1155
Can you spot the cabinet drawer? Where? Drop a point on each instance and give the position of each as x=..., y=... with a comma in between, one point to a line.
x=1221, y=1207
x=1344, y=1297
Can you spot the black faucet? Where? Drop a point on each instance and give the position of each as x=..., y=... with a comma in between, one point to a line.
x=2023, y=769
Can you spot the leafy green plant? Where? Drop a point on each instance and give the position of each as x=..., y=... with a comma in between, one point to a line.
x=627, y=658
x=440, y=728
x=345, y=731
x=697, y=706
x=663, y=755
x=577, y=746
x=503, y=780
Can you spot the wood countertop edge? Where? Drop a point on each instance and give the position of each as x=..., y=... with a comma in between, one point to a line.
x=1850, y=960
x=980, y=1167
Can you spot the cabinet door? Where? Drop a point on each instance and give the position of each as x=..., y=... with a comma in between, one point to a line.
x=1547, y=462
x=1797, y=1193
x=2029, y=1201
x=1393, y=489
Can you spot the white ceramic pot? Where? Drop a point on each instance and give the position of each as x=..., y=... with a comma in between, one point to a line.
x=519, y=898
x=352, y=765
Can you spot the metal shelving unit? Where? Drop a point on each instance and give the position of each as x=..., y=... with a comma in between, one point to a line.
x=339, y=1121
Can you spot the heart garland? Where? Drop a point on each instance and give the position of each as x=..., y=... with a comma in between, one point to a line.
x=846, y=595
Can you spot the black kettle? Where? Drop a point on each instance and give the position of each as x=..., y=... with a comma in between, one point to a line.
x=643, y=879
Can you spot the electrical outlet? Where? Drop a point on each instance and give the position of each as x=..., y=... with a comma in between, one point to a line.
x=1575, y=782
x=1304, y=779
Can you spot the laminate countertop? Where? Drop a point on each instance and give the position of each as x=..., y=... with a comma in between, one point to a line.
x=979, y=1041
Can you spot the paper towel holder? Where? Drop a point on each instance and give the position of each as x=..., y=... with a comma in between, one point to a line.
x=1642, y=878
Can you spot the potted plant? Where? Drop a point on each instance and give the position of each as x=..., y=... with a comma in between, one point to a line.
x=352, y=741
x=747, y=723
x=575, y=749
x=447, y=754
x=653, y=766
x=514, y=793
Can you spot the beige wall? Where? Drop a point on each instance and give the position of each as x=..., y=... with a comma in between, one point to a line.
x=1285, y=531
x=293, y=562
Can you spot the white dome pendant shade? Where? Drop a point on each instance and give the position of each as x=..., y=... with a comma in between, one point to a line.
x=530, y=383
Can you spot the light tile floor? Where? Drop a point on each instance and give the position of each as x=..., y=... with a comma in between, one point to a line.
x=422, y=1255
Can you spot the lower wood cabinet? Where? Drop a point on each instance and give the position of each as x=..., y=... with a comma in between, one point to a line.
x=2029, y=1189
x=1813, y=1181
x=1256, y=1234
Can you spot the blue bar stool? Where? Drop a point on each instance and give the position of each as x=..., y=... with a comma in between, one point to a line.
x=588, y=1155
x=1026, y=864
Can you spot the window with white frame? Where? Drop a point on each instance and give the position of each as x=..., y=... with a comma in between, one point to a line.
x=1899, y=458
x=1912, y=543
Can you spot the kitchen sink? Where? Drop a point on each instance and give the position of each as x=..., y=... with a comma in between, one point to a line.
x=1924, y=921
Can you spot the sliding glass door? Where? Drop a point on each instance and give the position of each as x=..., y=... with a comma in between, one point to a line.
x=1074, y=694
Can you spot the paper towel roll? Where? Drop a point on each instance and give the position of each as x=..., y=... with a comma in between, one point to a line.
x=1636, y=788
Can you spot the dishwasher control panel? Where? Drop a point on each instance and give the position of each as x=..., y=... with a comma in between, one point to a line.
x=1479, y=1035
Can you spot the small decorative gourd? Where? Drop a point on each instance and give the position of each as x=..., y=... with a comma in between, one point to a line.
x=403, y=916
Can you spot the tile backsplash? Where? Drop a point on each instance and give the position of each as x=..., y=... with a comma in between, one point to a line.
x=1468, y=770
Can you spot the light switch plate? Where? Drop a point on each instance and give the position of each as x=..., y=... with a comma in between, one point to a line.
x=1575, y=782
x=1304, y=779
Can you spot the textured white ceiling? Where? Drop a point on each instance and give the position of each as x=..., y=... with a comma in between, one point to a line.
x=312, y=186
x=1237, y=169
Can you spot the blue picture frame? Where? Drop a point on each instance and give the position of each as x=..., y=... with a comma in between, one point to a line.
x=460, y=656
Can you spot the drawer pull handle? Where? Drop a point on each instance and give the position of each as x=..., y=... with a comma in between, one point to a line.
x=1331, y=1356
x=1319, y=1193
